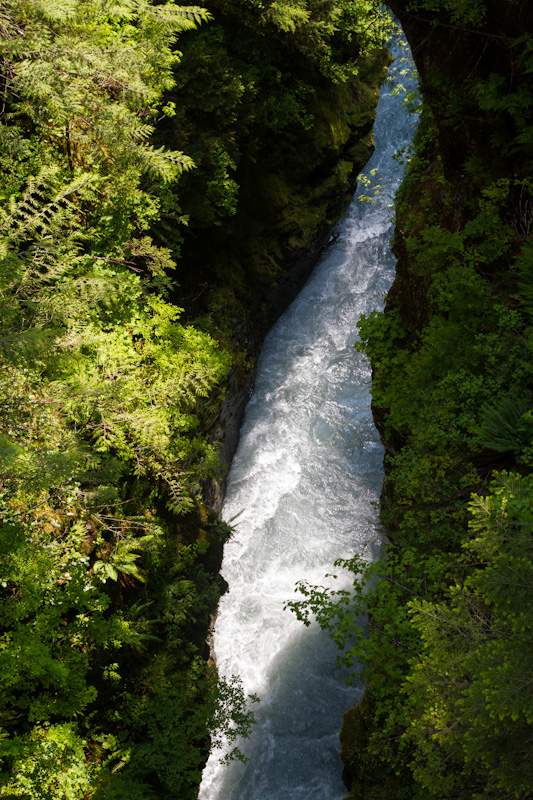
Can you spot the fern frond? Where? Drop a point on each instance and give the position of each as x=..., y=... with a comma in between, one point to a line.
x=180, y=500
x=32, y=198
x=179, y=17
x=165, y=164
x=287, y=17
x=501, y=428
x=33, y=214
x=141, y=132
x=58, y=11
x=195, y=13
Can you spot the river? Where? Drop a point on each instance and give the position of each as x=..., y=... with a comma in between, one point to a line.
x=305, y=482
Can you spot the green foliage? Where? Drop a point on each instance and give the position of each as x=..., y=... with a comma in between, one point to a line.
x=35, y=765
x=506, y=426
x=324, y=32
x=469, y=692
x=108, y=390
x=70, y=63
x=104, y=397
x=447, y=656
x=460, y=653
x=255, y=69
x=464, y=12
x=434, y=406
x=381, y=656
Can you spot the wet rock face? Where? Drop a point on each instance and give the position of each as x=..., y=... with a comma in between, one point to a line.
x=455, y=59
x=290, y=195
x=363, y=780
x=286, y=212
x=353, y=738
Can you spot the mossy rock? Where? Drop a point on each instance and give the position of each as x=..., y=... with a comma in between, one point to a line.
x=290, y=195
x=366, y=777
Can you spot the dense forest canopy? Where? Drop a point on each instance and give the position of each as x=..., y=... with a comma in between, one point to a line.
x=112, y=142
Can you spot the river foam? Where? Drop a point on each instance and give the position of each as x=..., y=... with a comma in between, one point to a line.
x=305, y=482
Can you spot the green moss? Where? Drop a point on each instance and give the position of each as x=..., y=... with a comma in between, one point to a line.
x=274, y=190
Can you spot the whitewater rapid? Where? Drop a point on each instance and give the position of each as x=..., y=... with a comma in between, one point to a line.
x=305, y=482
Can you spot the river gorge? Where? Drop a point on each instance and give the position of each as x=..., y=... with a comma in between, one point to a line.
x=303, y=491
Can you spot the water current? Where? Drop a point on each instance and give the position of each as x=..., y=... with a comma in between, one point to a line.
x=305, y=481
